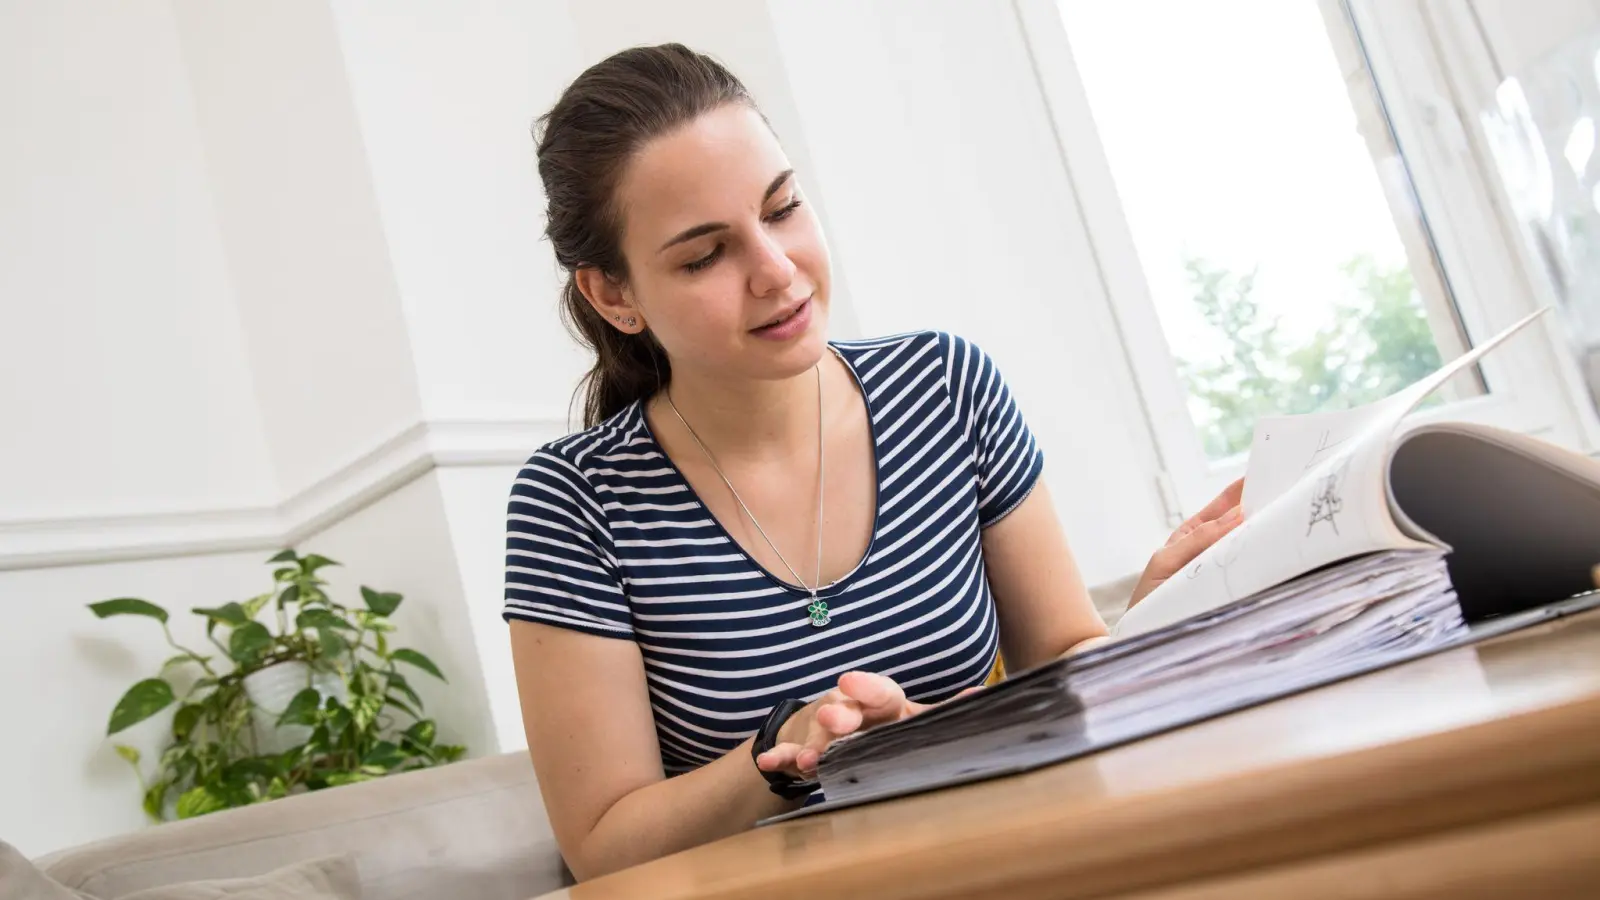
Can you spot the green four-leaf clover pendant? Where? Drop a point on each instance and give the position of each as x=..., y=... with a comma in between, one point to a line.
x=818, y=610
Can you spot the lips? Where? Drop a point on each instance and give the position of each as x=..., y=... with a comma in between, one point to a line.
x=783, y=316
x=787, y=324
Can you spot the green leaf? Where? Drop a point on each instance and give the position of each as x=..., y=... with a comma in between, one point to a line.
x=302, y=710
x=291, y=594
x=383, y=645
x=155, y=801
x=314, y=562
x=384, y=604
x=184, y=720
x=333, y=644
x=228, y=614
x=128, y=606
x=287, y=573
x=182, y=658
x=448, y=753
x=401, y=704
x=412, y=657
x=198, y=801
x=322, y=619
x=384, y=754
x=248, y=642
x=422, y=733
x=320, y=739
x=255, y=604
x=285, y=556
x=277, y=789
x=129, y=754
x=365, y=710
x=338, y=722
x=142, y=701
x=396, y=680
x=342, y=778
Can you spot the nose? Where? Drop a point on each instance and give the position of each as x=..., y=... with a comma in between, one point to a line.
x=771, y=269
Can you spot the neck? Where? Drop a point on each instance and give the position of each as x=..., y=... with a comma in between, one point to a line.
x=749, y=418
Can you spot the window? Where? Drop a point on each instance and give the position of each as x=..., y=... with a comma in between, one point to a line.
x=1279, y=228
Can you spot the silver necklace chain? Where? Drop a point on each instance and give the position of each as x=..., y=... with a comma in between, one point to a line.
x=817, y=608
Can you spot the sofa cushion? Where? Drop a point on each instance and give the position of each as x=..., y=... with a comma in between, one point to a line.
x=328, y=878
x=473, y=830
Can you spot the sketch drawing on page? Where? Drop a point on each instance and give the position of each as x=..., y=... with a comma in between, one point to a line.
x=1328, y=501
x=1229, y=550
x=1322, y=448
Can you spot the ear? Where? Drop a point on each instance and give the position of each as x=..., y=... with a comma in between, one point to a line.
x=609, y=299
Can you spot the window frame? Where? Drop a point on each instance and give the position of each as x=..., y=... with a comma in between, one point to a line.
x=1421, y=54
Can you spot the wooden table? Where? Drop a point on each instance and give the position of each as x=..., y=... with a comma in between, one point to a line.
x=1473, y=773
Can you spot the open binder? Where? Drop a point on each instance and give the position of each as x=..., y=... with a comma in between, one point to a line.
x=1365, y=543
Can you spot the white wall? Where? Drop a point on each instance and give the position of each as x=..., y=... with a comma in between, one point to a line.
x=445, y=95
x=114, y=290
x=311, y=268
x=475, y=500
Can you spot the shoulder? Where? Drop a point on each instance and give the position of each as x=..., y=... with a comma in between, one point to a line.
x=957, y=358
x=573, y=465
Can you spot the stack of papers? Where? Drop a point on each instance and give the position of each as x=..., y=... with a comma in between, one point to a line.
x=1317, y=629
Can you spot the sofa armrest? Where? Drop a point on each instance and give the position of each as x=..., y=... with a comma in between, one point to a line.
x=472, y=830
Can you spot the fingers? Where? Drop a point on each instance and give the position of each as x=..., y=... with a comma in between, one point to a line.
x=1181, y=552
x=862, y=700
x=780, y=758
x=878, y=695
x=1218, y=508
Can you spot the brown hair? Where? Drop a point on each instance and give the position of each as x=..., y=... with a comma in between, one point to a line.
x=584, y=143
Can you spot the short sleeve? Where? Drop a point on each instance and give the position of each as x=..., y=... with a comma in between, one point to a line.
x=560, y=564
x=1006, y=456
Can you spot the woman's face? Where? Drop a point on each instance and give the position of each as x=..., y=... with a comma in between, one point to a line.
x=726, y=262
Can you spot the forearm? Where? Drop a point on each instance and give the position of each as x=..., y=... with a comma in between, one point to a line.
x=723, y=797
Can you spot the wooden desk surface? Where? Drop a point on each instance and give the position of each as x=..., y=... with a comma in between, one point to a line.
x=1465, y=774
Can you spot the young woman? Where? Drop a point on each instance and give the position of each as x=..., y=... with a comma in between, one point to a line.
x=763, y=540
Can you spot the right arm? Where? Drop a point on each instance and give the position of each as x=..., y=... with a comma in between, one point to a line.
x=586, y=712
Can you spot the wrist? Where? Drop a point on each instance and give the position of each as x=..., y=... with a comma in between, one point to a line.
x=793, y=728
x=771, y=734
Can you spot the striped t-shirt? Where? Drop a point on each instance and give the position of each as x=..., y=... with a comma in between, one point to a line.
x=606, y=537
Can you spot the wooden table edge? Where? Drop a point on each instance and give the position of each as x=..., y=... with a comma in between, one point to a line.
x=1536, y=761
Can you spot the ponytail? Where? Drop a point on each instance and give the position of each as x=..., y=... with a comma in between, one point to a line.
x=627, y=367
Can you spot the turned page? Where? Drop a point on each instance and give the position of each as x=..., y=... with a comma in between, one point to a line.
x=1316, y=492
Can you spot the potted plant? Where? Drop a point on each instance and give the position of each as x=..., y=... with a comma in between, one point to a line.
x=313, y=697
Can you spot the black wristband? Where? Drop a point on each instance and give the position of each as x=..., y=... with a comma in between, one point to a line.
x=781, y=783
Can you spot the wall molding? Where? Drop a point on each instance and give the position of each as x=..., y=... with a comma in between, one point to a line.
x=384, y=468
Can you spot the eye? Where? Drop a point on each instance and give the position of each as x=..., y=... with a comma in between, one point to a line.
x=696, y=265
x=784, y=211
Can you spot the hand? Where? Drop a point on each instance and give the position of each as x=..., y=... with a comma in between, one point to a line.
x=1206, y=527
x=861, y=701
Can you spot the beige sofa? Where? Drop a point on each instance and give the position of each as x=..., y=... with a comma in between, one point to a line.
x=473, y=830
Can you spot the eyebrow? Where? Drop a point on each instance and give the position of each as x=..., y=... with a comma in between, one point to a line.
x=689, y=234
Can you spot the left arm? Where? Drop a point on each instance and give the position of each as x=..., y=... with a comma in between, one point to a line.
x=1044, y=607
x=1043, y=604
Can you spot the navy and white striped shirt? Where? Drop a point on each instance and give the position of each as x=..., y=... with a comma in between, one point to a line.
x=606, y=537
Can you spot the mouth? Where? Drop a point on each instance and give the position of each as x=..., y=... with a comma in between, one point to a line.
x=783, y=316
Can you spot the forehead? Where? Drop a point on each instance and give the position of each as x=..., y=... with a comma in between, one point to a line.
x=709, y=170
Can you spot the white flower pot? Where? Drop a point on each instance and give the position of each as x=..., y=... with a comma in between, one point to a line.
x=272, y=688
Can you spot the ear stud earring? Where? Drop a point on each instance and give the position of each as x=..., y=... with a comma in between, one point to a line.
x=630, y=322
